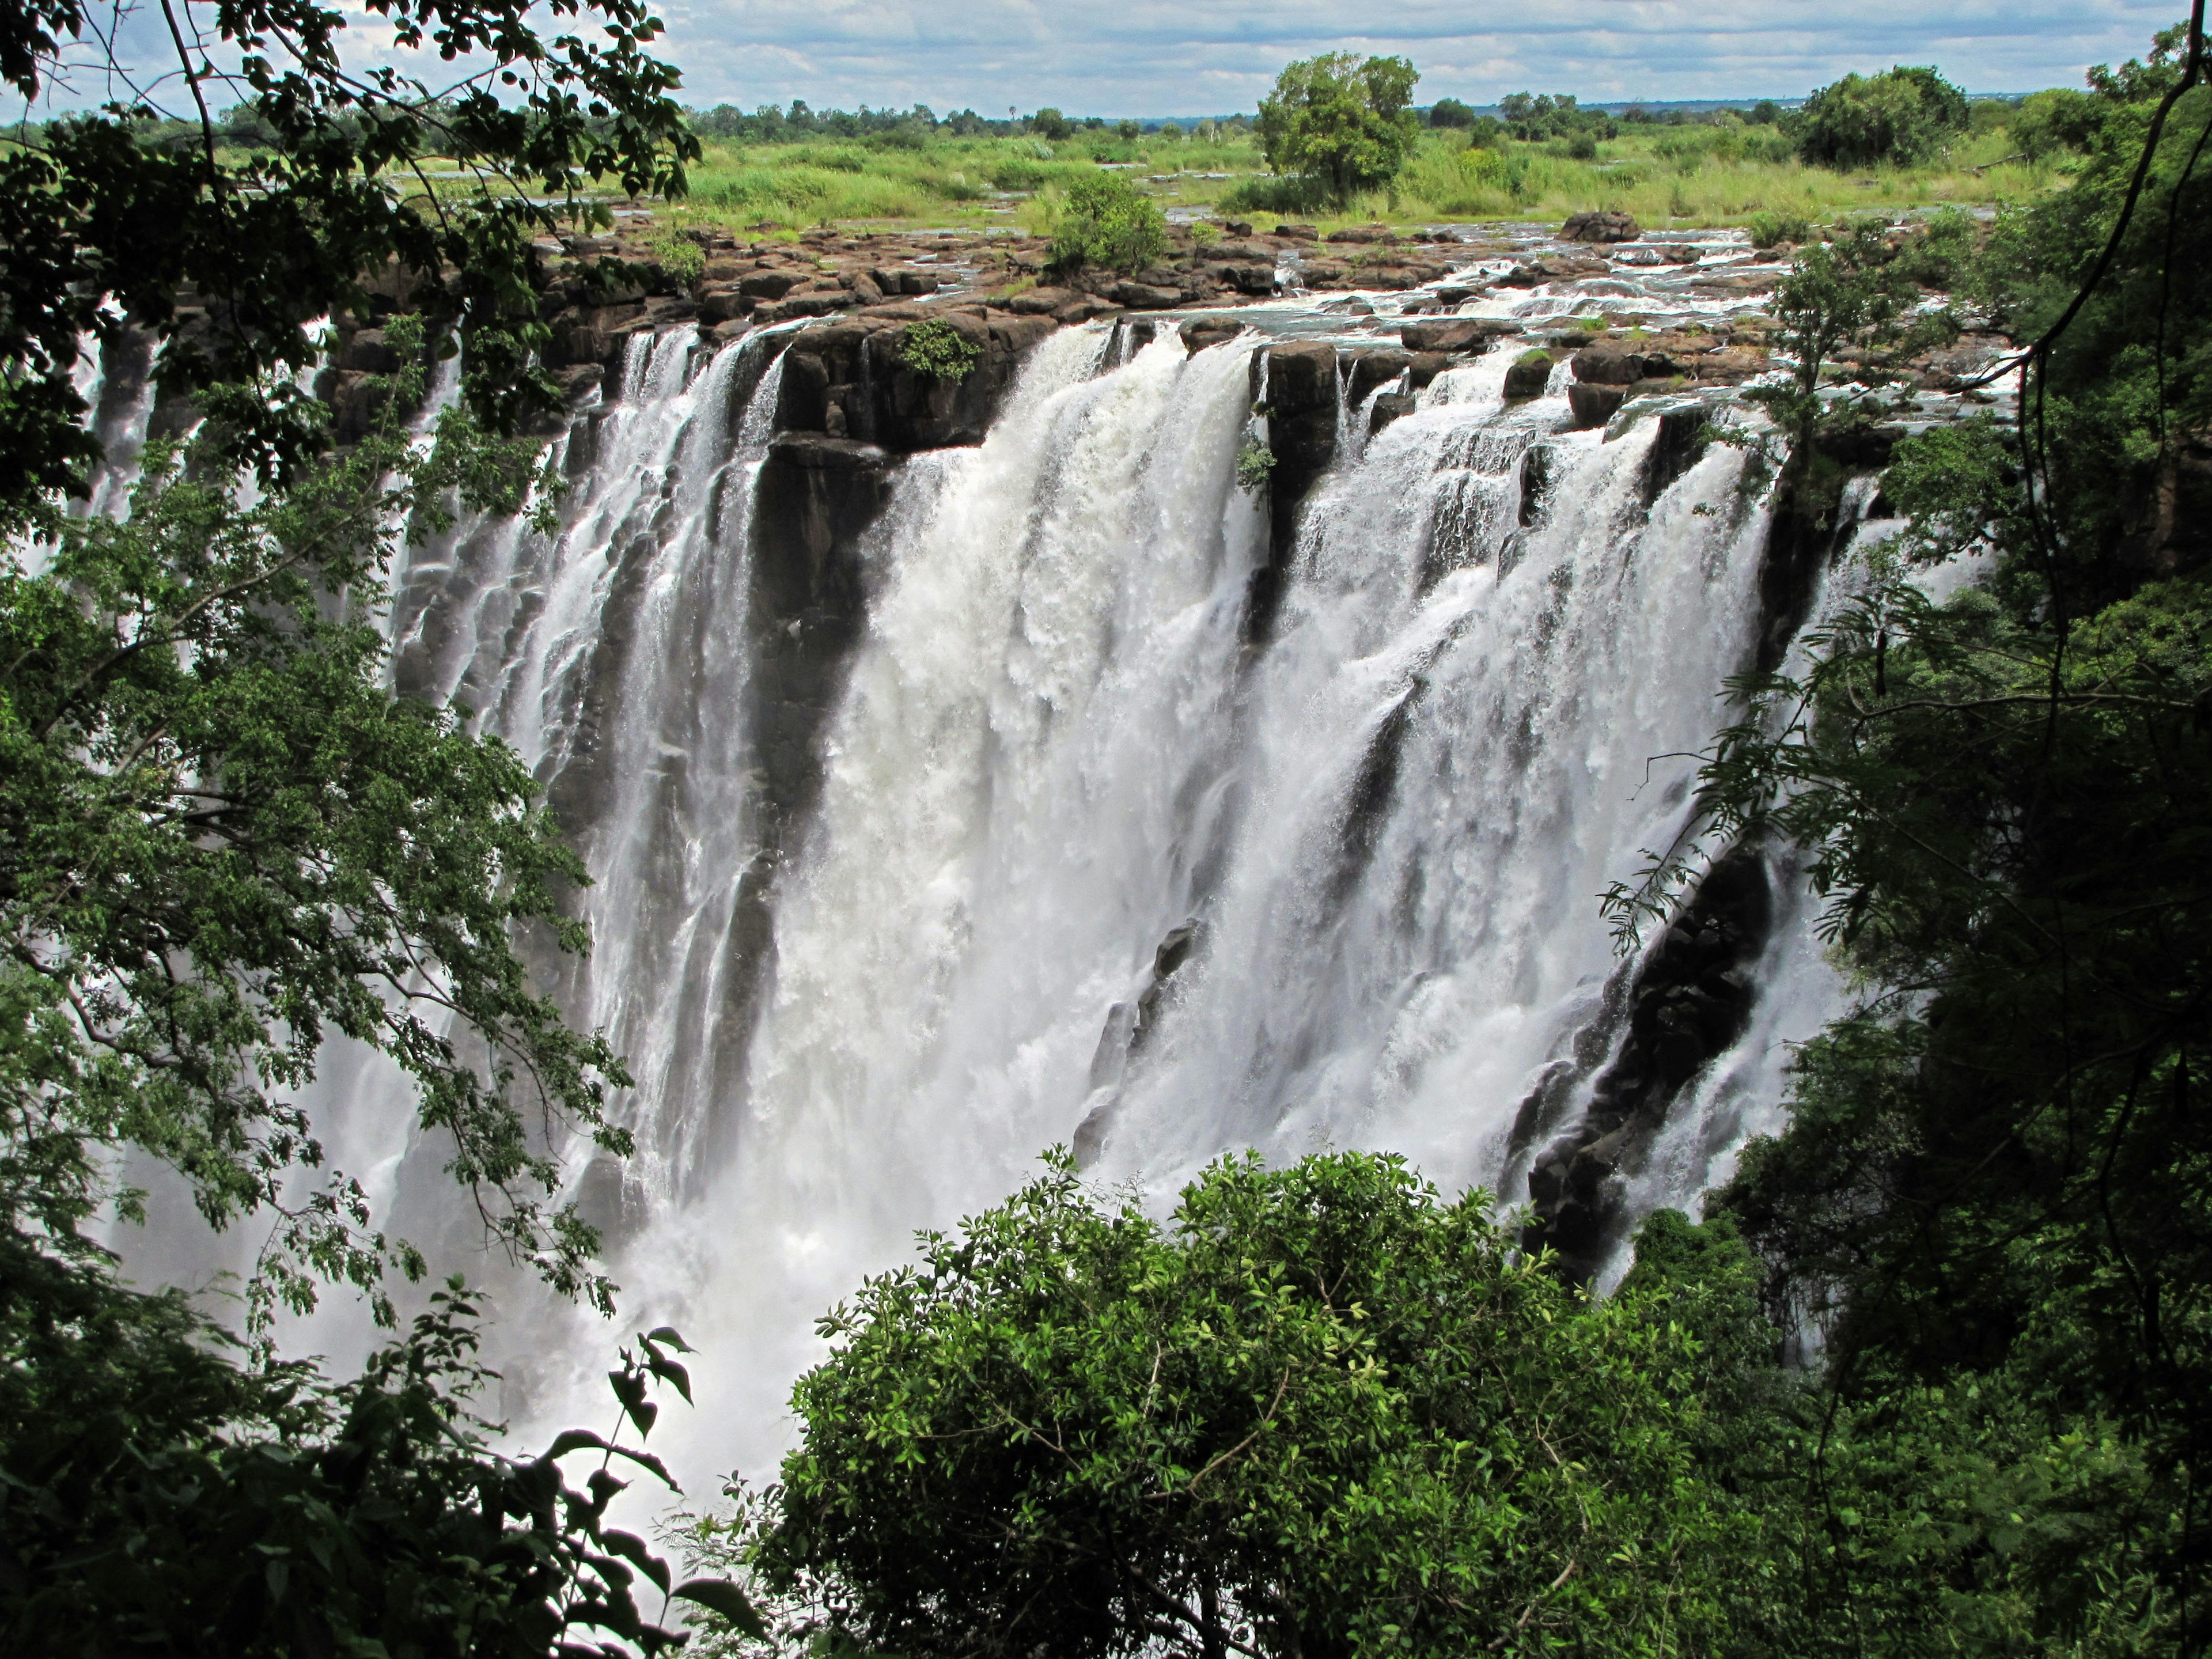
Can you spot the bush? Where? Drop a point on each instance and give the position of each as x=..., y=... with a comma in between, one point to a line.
x=1938, y=255
x=1450, y=112
x=682, y=260
x=1770, y=229
x=1901, y=117
x=1109, y=223
x=2049, y=123
x=1050, y=124
x=939, y=350
x=1255, y=464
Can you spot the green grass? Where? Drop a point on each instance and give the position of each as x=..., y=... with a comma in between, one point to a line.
x=1679, y=176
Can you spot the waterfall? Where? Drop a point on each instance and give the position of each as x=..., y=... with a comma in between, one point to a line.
x=1085, y=855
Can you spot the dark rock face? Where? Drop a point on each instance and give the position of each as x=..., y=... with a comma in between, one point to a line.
x=1370, y=369
x=1200, y=332
x=1681, y=440
x=1601, y=227
x=816, y=498
x=1594, y=406
x=1388, y=407
x=850, y=379
x=1688, y=1003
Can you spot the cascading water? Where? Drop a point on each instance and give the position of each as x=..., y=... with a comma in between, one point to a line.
x=1094, y=857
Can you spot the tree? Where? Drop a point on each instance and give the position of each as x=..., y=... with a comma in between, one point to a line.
x=157, y=1498
x=1450, y=112
x=1049, y=122
x=1340, y=122
x=1900, y=117
x=1109, y=223
x=1323, y=1411
x=1992, y=1190
x=230, y=257
x=221, y=837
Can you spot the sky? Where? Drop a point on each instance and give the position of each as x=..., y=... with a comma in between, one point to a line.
x=1158, y=58
x=1216, y=57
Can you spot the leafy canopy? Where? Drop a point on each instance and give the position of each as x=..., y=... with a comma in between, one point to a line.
x=229, y=257
x=221, y=838
x=1342, y=122
x=1321, y=1411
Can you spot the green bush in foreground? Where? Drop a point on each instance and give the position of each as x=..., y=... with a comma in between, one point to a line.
x=1322, y=1411
x=1109, y=223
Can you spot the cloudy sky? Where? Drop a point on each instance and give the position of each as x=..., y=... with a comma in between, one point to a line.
x=1211, y=57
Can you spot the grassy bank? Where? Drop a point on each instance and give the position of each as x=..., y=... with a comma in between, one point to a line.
x=1699, y=176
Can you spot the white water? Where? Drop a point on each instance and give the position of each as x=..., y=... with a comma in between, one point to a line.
x=1054, y=746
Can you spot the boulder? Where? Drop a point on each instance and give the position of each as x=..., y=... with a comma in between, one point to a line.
x=722, y=302
x=1200, y=332
x=1040, y=302
x=1387, y=407
x=369, y=353
x=1607, y=364
x=768, y=284
x=1601, y=227
x=1299, y=233
x=1530, y=373
x=1146, y=296
x=1594, y=406
x=1370, y=369
x=1456, y=333
x=1362, y=234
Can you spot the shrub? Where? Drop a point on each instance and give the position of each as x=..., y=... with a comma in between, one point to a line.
x=1770, y=229
x=1050, y=124
x=2048, y=122
x=1582, y=147
x=1109, y=223
x=682, y=260
x=939, y=350
x=1935, y=257
x=1255, y=464
x=1859, y=121
x=1450, y=112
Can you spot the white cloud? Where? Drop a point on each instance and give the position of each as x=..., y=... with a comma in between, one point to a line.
x=1170, y=56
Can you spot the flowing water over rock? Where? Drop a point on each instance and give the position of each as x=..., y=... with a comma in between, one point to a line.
x=1059, y=790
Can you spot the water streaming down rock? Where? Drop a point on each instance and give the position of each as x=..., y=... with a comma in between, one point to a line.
x=945, y=808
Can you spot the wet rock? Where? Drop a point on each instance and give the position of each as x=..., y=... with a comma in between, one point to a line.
x=1299, y=233
x=1601, y=227
x=1388, y=406
x=1530, y=373
x=1362, y=234
x=1456, y=333
x=1146, y=296
x=1605, y=364
x=1370, y=369
x=1200, y=332
x=1594, y=406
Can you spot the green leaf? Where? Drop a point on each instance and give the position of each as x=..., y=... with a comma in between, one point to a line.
x=720, y=1596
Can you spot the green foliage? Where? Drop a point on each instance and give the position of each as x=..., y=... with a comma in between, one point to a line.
x=1863, y=120
x=1450, y=112
x=103, y=230
x=221, y=837
x=938, y=350
x=1772, y=229
x=156, y=1497
x=1322, y=1411
x=1108, y=221
x=1049, y=122
x=1341, y=121
x=1255, y=464
x=1991, y=1202
x=681, y=260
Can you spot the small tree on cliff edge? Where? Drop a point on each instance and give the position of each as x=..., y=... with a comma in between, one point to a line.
x=1341, y=121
